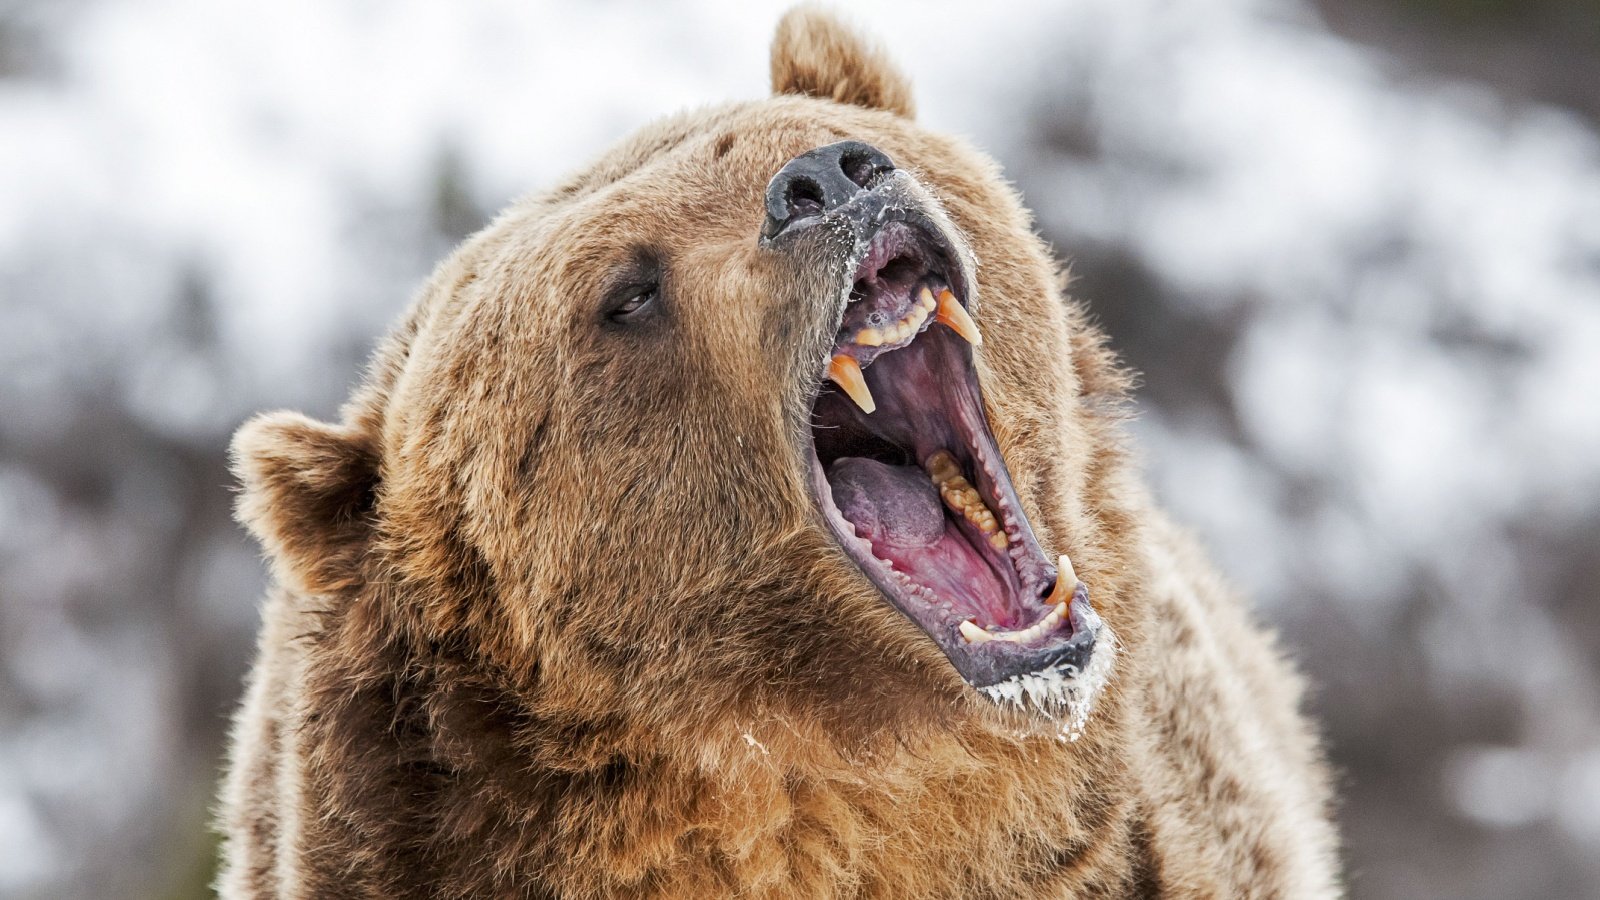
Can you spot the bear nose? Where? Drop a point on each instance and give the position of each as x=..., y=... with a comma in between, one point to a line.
x=819, y=181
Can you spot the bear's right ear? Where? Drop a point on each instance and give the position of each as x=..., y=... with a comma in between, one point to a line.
x=816, y=55
x=308, y=492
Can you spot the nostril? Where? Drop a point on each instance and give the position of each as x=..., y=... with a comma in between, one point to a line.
x=863, y=167
x=805, y=198
x=823, y=181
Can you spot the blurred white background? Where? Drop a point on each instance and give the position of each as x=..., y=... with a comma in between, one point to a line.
x=1354, y=248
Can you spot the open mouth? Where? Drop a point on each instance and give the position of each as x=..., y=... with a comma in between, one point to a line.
x=913, y=486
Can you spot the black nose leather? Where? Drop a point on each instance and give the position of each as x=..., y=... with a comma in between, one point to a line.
x=819, y=181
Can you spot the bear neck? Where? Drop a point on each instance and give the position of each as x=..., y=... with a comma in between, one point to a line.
x=419, y=748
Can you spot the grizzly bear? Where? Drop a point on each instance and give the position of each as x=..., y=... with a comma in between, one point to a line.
x=750, y=515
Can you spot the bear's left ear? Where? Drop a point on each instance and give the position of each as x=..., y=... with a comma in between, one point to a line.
x=308, y=493
x=816, y=55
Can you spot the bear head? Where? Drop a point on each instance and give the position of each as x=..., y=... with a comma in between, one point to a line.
x=776, y=413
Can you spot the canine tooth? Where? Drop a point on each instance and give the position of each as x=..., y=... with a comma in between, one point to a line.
x=1064, y=567
x=974, y=634
x=869, y=337
x=1066, y=583
x=846, y=373
x=953, y=314
x=1059, y=593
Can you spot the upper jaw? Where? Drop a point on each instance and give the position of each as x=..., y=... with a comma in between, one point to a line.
x=923, y=414
x=847, y=233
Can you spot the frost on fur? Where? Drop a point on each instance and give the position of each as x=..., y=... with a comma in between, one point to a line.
x=1065, y=693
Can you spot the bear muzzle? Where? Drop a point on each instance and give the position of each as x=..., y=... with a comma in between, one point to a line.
x=905, y=468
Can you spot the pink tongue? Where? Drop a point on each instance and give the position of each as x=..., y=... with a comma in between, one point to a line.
x=895, y=506
x=898, y=510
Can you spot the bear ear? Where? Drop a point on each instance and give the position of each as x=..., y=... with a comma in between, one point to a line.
x=308, y=492
x=816, y=55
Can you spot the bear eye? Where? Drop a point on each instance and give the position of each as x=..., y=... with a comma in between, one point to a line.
x=633, y=301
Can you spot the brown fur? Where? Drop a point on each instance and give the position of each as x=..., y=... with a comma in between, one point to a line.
x=556, y=616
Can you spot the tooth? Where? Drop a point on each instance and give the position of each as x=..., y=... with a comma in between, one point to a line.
x=869, y=337
x=1066, y=583
x=1059, y=595
x=962, y=497
x=927, y=301
x=1064, y=568
x=974, y=634
x=846, y=373
x=954, y=315
x=942, y=466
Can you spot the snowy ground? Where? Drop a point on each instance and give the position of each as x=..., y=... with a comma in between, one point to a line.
x=1367, y=309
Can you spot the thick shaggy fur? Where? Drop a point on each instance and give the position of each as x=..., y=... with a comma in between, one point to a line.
x=556, y=616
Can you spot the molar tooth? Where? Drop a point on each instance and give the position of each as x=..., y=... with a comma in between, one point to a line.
x=953, y=314
x=974, y=634
x=846, y=372
x=942, y=466
x=997, y=541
